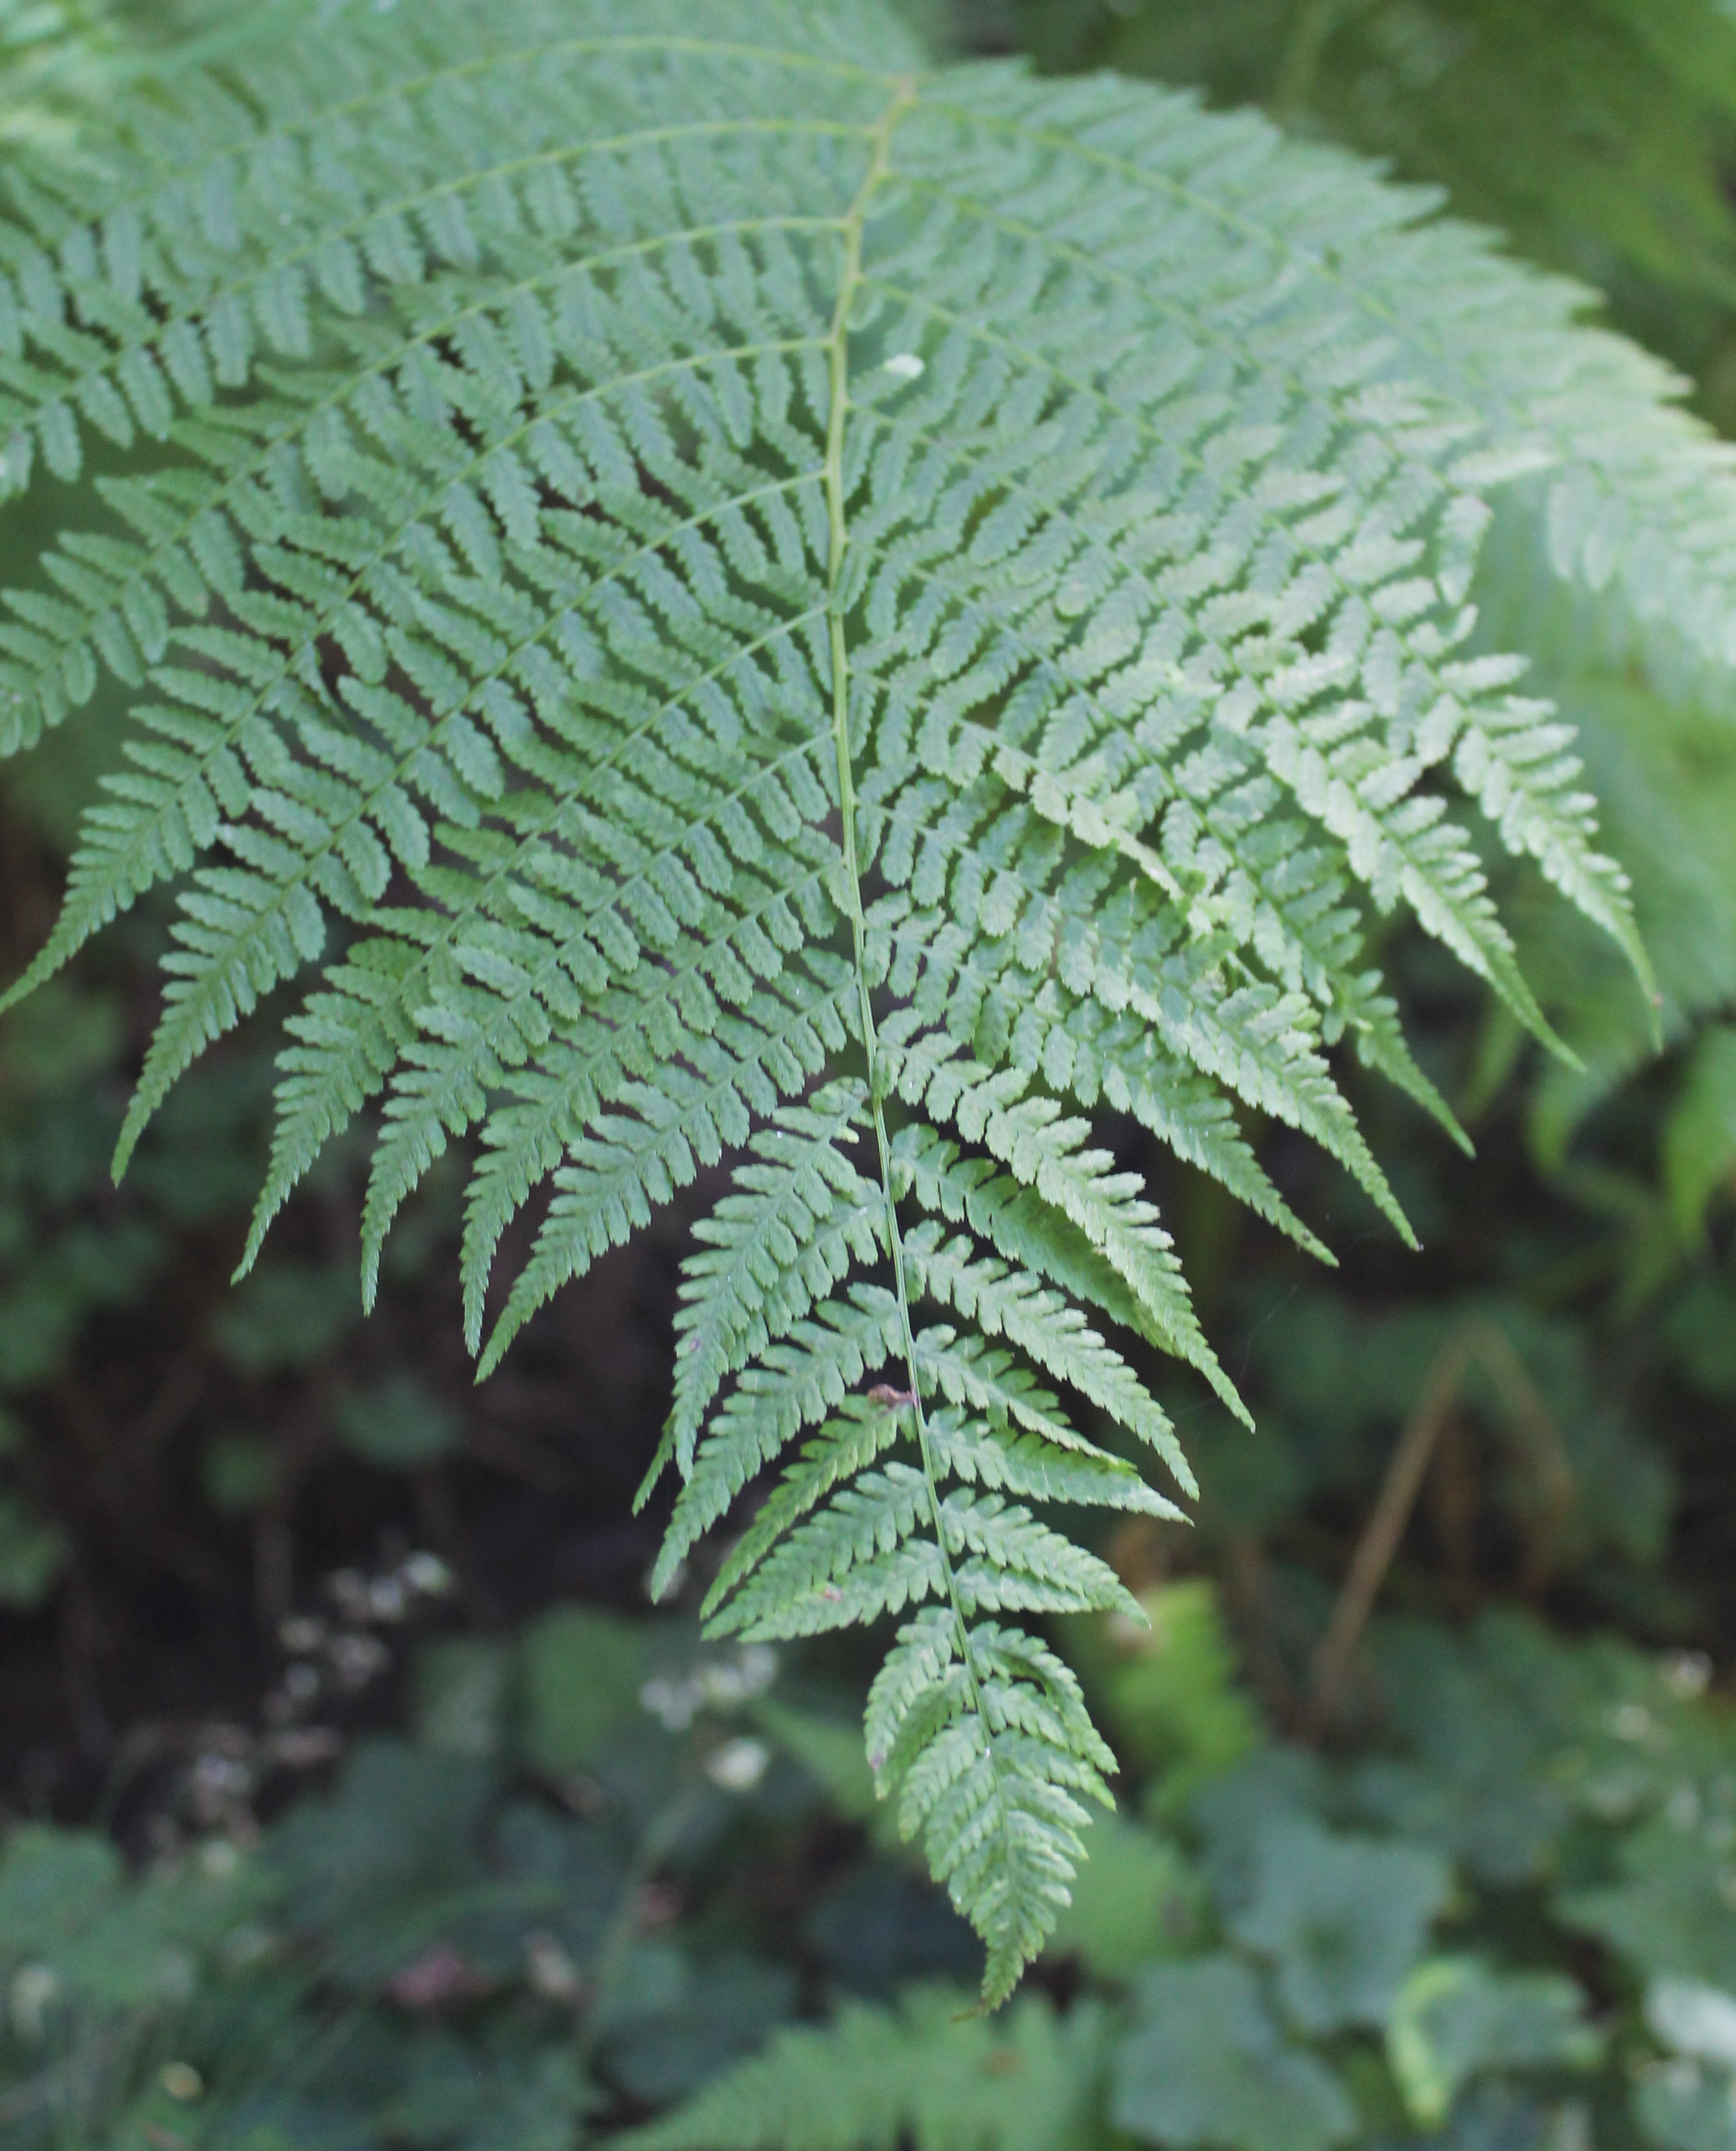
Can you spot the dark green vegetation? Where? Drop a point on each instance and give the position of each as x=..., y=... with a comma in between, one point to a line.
x=848, y=675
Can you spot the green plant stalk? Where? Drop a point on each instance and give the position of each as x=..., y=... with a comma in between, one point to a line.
x=839, y=360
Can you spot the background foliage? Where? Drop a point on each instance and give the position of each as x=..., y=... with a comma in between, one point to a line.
x=354, y=1797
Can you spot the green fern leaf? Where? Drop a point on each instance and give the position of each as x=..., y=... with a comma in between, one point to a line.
x=793, y=1384
x=981, y=1736
x=1048, y=1328
x=704, y=591
x=778, y=1242
x=1039, y=1470
x=923, y=2072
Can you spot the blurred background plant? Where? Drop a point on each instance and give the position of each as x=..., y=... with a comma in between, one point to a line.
x=351, y=1795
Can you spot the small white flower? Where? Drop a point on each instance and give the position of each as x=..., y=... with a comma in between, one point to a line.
x=673, y=1703
x=738, y=1765
x=759, y=1667
x=1687, y=1674
x=348, y=1587
x=905, y=366
x=722, y=1686
x=1682, y=1807
x=181, y=2081
x=301, y=1682
x=427, y=1573
x=549, y=1970
x=1693, y=2019
x=33, y=1987
x=356, y=1659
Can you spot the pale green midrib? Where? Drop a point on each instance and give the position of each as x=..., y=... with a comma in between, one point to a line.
x=904, y=95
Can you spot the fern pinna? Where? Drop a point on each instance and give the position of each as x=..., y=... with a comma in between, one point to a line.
x=723, y=592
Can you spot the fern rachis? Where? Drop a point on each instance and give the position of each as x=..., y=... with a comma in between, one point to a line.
x=781, y=602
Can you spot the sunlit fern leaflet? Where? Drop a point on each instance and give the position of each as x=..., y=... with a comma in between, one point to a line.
x=725, y=592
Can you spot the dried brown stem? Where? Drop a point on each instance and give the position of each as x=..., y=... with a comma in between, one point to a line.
x=1385, y=1528
x=1534, y=1434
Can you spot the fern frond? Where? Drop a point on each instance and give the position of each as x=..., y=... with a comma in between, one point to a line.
x=709, y=591
x=779, y=1040
x=1028, y=1465
x=923, y=2072
x=792, y=1383
x=968, y=1370
x=1047, y=1327
x=779, y=1241
x=982, y=1737
x=615, y=1177
x=1593, y=139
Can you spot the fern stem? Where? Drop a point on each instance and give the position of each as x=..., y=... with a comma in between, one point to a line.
x=904, y=95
